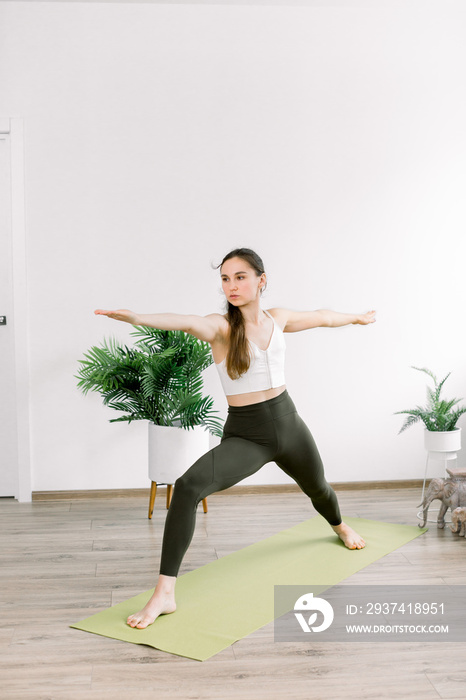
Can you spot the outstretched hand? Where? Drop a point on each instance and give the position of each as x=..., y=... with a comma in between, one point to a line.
x=364, y=319
x=120, y=315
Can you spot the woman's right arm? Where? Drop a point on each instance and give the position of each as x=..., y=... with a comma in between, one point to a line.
x=205, y=328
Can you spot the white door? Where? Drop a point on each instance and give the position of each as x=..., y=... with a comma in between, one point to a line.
x=8, y=418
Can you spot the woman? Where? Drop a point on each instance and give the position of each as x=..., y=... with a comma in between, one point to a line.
x=262, y=425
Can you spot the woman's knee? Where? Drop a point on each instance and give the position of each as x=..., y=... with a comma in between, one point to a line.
x=185, y=487
x=189, y=486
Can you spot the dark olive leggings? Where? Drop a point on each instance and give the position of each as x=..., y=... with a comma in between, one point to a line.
x=253, y=435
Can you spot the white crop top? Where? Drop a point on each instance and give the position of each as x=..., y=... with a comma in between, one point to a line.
x=267, y=368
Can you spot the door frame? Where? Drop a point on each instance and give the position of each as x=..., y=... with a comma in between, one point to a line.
x=14, y=126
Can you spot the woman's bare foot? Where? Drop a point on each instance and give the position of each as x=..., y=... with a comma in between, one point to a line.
x=162, y=602
x=349, y=537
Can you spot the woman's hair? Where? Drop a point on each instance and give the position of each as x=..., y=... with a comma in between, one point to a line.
x=238, y=358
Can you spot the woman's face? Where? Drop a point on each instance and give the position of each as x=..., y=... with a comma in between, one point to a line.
x=240, y=282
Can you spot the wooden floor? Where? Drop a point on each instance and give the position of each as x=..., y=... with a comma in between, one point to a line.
x=62, y=561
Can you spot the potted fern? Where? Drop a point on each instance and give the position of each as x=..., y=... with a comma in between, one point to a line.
x=442, y=438
x=159, y=380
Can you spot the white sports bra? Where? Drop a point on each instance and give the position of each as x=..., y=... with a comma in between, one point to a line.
x=267, y=368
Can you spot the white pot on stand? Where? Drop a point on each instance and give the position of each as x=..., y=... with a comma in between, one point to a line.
x=443, y=446
x=172, y=451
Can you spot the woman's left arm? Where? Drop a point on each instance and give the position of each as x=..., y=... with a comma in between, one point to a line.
x=335, y=318
x=293, y=321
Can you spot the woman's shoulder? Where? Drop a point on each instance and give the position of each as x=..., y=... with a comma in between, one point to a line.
x=279, y=315
x=220, y=321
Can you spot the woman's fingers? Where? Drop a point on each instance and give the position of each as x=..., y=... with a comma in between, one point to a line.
x=119, y=315
x=110, y=314
x=368, y=317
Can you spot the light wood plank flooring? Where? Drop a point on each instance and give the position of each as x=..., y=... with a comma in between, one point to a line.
x=64, y=560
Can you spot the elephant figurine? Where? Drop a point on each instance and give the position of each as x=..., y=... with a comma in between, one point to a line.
x=451, y=493
x=458, y=521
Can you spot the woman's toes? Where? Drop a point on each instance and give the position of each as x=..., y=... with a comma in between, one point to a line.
x=133, y=621
x=145, y=621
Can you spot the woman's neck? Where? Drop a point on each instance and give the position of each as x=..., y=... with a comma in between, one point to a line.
x=252, y=313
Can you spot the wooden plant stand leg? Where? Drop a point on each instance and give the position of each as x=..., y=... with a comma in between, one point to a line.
x=169, y=494
x=153, y=491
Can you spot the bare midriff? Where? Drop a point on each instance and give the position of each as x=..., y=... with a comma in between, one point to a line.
x=255, y=396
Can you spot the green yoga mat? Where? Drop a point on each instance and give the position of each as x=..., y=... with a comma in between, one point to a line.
x=231, y=597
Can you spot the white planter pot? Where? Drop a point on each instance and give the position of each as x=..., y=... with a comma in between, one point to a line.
x=442, y=445
x=173, y=450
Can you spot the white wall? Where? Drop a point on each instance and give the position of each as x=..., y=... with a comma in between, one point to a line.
x=158, y=137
